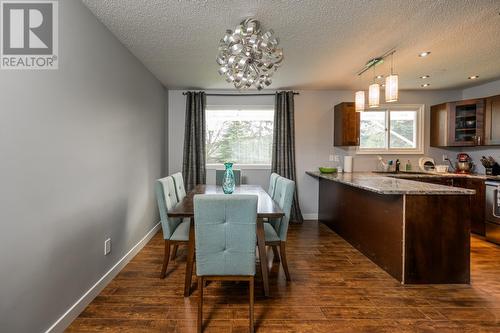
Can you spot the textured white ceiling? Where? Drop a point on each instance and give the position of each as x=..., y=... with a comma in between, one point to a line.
x=325, y=42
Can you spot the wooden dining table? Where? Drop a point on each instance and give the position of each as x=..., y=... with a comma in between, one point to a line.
x=266, y=208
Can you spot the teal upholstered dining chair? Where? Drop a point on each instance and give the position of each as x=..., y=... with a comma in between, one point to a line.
x=180, y=191
x=175, y=230
x=272, y=183
x=276, y=230
x=225, y=240
x=219, y=175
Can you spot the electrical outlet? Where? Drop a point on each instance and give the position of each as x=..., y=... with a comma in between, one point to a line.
x=107, y=246
x=445, y=157
x=331, y=158
x=336, y=158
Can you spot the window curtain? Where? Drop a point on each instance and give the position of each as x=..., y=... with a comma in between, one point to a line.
x=283, y=161
x=193, y=164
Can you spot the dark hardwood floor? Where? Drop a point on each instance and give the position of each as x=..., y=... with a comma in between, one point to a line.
x=334, y=288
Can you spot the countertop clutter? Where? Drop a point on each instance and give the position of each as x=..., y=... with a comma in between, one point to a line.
x=382, y=184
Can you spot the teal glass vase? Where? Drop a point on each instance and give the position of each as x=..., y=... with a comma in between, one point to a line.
x=228, y=184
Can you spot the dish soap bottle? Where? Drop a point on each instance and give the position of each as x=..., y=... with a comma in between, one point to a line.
x=408, y=166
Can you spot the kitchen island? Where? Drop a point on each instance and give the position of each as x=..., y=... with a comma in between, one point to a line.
x=417, y=232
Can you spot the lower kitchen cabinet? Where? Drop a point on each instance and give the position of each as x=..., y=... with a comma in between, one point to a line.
x=477, y=202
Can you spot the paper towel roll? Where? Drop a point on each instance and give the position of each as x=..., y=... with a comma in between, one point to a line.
x=348, y=163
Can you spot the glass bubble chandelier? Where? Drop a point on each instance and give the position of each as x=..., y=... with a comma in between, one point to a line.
x=248, y=57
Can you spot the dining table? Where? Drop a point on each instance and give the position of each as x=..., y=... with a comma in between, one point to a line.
x=267, y=208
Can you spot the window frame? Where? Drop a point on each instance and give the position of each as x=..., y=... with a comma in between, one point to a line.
x=239, y=107
x=419, y=150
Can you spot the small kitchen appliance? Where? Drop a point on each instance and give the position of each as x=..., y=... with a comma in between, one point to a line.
x=426, y=164
x=464, y=164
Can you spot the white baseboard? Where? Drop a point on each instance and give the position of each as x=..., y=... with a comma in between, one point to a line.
x=313, y=216
x=67, y=318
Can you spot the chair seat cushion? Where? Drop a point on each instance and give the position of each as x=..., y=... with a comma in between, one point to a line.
x=270, y=233
x=181, y=233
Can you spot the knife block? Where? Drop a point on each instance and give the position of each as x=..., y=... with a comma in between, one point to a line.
x=493, y=171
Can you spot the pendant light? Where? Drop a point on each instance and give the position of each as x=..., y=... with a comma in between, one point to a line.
x=360, y=101
x=391, y=85
x=374, y=93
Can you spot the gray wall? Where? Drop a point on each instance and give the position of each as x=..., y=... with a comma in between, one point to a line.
x=79, y=150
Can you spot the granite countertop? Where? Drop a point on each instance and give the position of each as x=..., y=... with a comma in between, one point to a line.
x=382, y=184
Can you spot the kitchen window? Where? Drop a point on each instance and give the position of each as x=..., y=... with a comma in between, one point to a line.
x=240, y=134
x=392, y=129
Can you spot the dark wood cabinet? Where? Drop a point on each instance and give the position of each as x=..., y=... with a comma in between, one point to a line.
x=477, y=202
x=346, y=125
x=492, y=121
x=458, y=124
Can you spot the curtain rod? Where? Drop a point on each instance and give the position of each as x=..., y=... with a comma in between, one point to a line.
x=295, y=93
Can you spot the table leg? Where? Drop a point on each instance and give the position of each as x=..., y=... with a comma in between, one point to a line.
x=261, y=243
x=190, y=260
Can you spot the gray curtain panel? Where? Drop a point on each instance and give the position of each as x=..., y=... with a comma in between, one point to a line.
x=193, y=164
x=283, y=162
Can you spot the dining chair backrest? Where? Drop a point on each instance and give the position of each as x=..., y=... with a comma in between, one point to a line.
x=167, y=199
x=180, y=190
x=225, y=234
x=272, y=183
x=283, y=196
x=219, y=175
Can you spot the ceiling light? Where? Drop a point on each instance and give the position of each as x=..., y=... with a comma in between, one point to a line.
x=425, y=85
x=424, y=54
x=473, y=77
x=360, y=101
x=425, y=76
x=374, y=95
x=379, y=77
x=391, y=85
x=247, y=57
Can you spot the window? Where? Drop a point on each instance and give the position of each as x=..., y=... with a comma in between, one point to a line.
x=392, y=129
x=242, y=135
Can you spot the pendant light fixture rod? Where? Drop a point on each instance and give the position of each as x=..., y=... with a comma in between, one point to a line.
x=376, y=61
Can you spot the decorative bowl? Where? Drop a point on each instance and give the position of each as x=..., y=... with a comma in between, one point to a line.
x=441, y=168
x=327, y=170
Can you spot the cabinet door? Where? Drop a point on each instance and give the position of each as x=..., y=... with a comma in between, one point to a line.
x=466, y=123
x=476, y=202
x=439, y=125
x=346, y=125
x=492, y=121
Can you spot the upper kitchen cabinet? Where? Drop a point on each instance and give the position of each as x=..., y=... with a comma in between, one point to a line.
x=458, y=124
x=346, y=125
x=492, y=121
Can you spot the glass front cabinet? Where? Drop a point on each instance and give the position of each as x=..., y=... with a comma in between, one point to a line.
x=458, y=124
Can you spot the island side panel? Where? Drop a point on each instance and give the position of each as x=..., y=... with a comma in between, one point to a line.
x=371, y=222
x=437, y=239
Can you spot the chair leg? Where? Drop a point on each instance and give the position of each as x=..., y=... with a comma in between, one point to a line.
x=174, y=251
x=276, y=255
x=201, y=282
x=165, y=259
x=251, y=292
x=284, y=261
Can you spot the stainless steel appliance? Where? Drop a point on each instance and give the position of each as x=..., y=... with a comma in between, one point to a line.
x=464, y=163
x=493, y=211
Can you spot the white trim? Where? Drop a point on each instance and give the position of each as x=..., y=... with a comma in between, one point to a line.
x=420, y=130
x=240, y=166
x=312, y=216
x=74, y=311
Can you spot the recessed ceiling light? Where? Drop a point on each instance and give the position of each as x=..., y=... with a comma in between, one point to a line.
x=425, y=76
x=473, y=77
x=383, y=85
x=425, y=85
x=424, y=54
x=379, y=76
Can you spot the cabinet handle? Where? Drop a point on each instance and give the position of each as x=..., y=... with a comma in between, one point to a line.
x=478, y=140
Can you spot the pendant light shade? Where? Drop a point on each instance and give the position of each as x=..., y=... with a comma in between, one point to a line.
x=374, y=95
x=360, y=101
x=391, y=88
